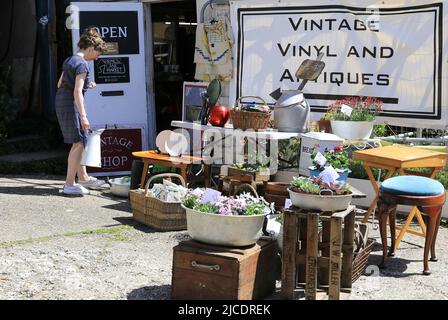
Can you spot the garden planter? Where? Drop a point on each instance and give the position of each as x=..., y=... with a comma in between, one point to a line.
x=343, y=174
x=352, y=130
x=217, y=229
x=319, y=202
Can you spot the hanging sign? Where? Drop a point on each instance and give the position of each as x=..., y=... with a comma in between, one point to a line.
x=394, y=52
x=112, y=70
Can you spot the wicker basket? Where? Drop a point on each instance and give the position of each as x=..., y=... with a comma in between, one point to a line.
x=361, y=258
x=164, y=216
x=245, y=120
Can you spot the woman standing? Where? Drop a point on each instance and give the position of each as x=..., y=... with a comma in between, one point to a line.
x=70, y=109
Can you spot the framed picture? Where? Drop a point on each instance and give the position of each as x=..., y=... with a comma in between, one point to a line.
x=192, y=100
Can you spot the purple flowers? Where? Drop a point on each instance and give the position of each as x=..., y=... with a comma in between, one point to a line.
x=243, y=204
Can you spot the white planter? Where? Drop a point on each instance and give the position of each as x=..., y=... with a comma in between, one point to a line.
x=319, y=202
x=352, y=130
x=217, y=229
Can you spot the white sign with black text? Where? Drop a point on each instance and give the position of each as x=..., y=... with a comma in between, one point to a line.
x=394, y=52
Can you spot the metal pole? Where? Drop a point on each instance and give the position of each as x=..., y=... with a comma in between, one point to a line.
x=46, y=62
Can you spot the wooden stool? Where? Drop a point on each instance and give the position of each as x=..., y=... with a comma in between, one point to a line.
x=426, y=194
x=301, y=246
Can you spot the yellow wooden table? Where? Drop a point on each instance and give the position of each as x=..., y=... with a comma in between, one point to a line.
x=396, y=159
x=183, y=163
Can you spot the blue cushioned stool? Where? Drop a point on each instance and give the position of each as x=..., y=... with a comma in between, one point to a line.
x=426, y=194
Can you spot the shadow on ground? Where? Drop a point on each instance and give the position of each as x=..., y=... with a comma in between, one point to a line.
x=38, y=190
x=129, y=221
x=119, y=206
x=180, y=235
x=151, y=293
x=395, y=266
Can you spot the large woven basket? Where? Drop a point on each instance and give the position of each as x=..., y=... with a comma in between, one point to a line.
x=164, y=216
x=245, y=120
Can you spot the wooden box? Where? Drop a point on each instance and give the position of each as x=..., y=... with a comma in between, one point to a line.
x=202, y=271
x=318, y=260
x=261, y=175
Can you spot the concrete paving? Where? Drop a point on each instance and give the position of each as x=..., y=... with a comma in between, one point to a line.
x=33, y=207
x=58, y=247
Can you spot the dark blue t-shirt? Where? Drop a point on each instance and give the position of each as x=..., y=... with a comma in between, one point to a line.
x=73, y=66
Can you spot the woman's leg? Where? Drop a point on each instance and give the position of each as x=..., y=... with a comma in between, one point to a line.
x=74, y=158
x=82, y=173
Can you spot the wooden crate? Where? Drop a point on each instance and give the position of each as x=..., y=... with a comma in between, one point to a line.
x=259, y=176
x=202, y=271
x=276, y=192
x=317, y=260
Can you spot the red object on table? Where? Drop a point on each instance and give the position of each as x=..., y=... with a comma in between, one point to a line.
x=219, y=116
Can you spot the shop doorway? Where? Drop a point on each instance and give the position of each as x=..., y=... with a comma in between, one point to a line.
x=174, y=27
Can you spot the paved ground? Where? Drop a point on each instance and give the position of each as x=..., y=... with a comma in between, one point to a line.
x=57, y=247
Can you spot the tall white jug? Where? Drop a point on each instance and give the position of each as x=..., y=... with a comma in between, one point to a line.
x=91, y=155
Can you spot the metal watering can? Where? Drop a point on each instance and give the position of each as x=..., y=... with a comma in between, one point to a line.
x=292, y=111
x=91, y=156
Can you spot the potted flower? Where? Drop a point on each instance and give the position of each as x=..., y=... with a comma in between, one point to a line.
x=337, y=158
x=229, y=221
x=352, y=117
x=315, y=194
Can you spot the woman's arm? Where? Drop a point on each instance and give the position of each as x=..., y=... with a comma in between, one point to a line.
x=79, y=100
x=60, y=80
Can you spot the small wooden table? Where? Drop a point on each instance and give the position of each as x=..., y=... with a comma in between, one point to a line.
x=183, y=163
x=398, y=159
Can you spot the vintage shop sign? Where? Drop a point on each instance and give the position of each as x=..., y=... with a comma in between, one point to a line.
x=394, y=53
x=117, y=146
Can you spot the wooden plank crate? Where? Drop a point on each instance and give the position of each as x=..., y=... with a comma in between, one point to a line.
x=317, y=260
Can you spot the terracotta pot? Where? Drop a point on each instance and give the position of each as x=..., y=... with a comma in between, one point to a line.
x=219, y=116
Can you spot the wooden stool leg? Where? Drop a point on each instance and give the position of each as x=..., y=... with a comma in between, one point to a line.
x=392, y=232
x=433, y=214
x=144, y=173
x=184, y=173
x=383, y=212
x=433, y=244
